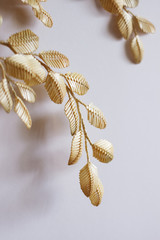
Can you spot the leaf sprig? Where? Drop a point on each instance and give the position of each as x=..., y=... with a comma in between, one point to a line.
x=129, y=25
x=40, y=12
x=36, y=68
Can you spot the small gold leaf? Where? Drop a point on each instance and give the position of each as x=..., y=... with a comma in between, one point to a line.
x=32, y=3
x=27, y=93
x=131, y=3
x=103, y=151
x=96, y=117
x=78, y=83
x=54, y=59
x=24, y=42
x=44, y=16
x=137, y=49
x=112, y=6
x=88, y=179
x=22, y=112
x=145, y=25
x=55, y=87
x=5, y=96
x=25, y=67
x=76, y=148
x=1, y=20
x=97, y=195
x=71, y=113
x=125, y=24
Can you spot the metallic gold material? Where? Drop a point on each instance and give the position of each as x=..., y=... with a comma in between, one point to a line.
x=103, y=151
x=96, y=117
x=76, y=148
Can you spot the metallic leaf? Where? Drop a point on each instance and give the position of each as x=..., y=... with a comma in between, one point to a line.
x=76, y=148
x=96, y=117
x=137, y=49
x=125, y=24
x=112, y=6
x=54, y=59
x=5, y=96
x=22, y=112
x=103, y=151
x=27, y=93
x=55, y=87
x=25, y=67
x=71, y=113
x=145, y=25
x=24, y=42
x=97, y=195
x=77, y=82
x=131, y=3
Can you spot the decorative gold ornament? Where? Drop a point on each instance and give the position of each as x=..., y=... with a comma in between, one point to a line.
x=35, y=69
x=39, y=11
x=129, y=25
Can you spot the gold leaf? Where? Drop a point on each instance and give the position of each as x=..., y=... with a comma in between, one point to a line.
x=145, y=25
x=97, y=195
x=71, y=113
x=22, y=112
x=54, y=59
x=55, y=87
x=32, y=3
x=103, y=151
x=137, y=49
x=125, y=24
x=131, y=3
x=112, y=6
x=78, y=83
x=24, y=42
x=25, y=67
x=76, y=148
x=27, y=93
x=5, y=96
x=42, y=15
x=88, y=177
x=96, y=117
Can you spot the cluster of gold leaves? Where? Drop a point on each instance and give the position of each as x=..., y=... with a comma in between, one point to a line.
x=39, y=11
x=129, y=25
x=33, y=69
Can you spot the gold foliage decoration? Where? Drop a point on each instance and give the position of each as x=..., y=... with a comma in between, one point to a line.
x=31, y=69
x=76, y=148
x=39, y=12
x=72, y=115
x=5, y=96
x=54, y=59
x=77, y=82
x=96, y=117
x=129, y=25
x=103, y=151
x=24, y=42
x=55, y=87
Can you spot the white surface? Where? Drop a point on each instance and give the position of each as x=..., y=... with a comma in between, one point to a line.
x=40, y=197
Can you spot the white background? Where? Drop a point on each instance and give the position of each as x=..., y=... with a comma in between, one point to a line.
x=40, y=197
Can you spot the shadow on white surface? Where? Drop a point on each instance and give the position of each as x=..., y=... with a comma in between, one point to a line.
x=20, y=13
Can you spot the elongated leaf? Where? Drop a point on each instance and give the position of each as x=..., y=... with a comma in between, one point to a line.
x=88, y=177
x=125, y=24
x=78, y=83
x=24, y=42
x=27, y=93
x=145, y=25
x=131, y=3
x=96, y=117
x=25, y=67
x=44, y=16
x=97, y=195
x=54, y=59
x=22, y=112
x=112, y=6
x=76, y=148
x=71, y=113
x=32, y=3
x=5, y=96
x=55, y=87
x=103, y=151
x=137, y=49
